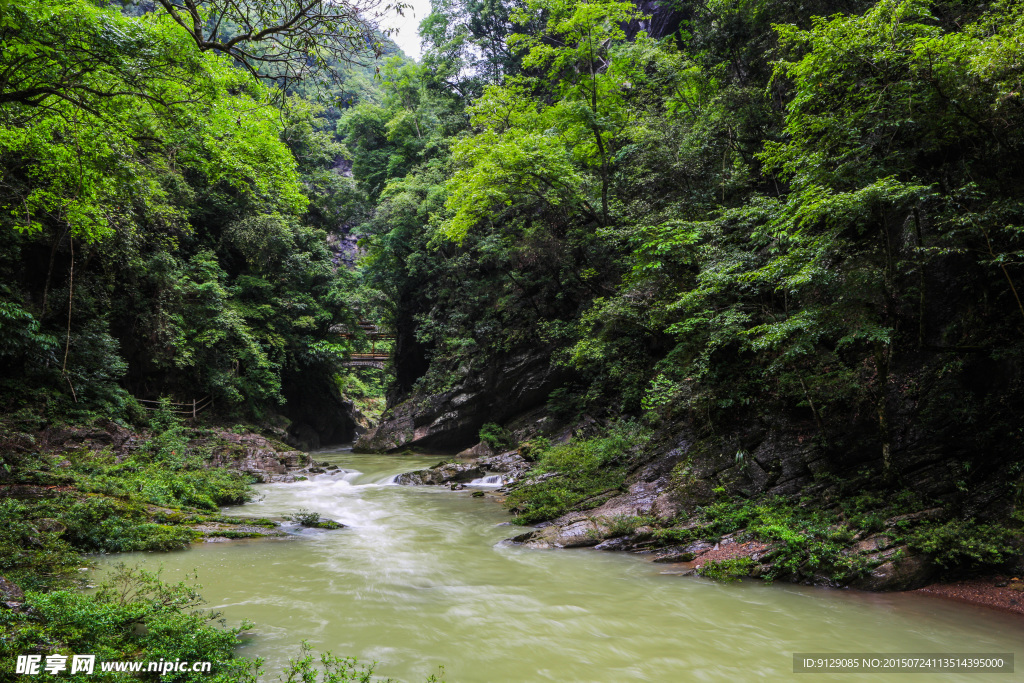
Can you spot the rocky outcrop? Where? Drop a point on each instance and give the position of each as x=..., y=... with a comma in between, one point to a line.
x=893, y=568
x=442, y=473
x=510, y=465
x=224, y=530
x=902, y=573
x=11, y=595
x=451, y=420
x=680, y=475
x=103, y=434
x=579, y=532
x=265, y=459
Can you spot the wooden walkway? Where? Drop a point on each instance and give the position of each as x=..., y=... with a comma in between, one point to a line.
x=373, y=359
x=367, y=360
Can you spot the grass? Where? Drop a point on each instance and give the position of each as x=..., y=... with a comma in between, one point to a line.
x=581, y=475
x=727, y=570
x=79, y=501
x=626, y=525
x=224, y=533
x=807, y=538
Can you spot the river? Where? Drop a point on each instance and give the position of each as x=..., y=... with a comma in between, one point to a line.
x=420, y=579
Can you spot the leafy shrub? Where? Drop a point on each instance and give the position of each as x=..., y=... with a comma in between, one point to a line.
x=332, y=669
x=625, y=525
x=965, y=544
x=532, y=449
x=133, y=616
x=306, y=517
x=565, y=405
x=727, y=570
x=104, y=524
x=495, y=436
x=32, y=552
x=166, y=472
x=576, y=475
x=803, y=539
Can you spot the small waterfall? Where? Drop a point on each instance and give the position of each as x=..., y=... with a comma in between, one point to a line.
x=491, y=480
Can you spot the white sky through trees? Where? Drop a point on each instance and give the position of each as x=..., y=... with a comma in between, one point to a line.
x=408, y=37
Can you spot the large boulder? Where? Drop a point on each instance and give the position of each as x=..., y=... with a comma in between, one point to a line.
x=256, y=455
x=442, y=473
x=902, y=573
x=580, y=532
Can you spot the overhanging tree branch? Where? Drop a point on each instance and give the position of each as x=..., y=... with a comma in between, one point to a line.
x=286, y=40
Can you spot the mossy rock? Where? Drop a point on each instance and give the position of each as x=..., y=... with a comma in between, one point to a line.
x=327, y=524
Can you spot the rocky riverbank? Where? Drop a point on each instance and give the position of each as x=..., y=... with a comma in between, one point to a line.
x=905, y=549
x=265, y=458
x=998, y=592
x=107, y=488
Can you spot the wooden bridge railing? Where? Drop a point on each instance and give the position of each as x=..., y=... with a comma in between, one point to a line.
x=373, y=359
x=367, y=360
x=197, y=405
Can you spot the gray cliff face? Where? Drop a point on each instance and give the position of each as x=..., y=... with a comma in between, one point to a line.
x=662, y=19
x=450, y=421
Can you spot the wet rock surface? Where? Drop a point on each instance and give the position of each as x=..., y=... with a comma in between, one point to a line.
x=217, y=532
x=102, y=434
x=577, y=533
x=265, y=459
x=442, y=473
x=510, y=465
x=901, y=573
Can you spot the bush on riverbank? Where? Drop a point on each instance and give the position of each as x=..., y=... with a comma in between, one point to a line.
x=134, y=616
x=576, y=475
x=333, y=669
x=60, y=504
x=845, y=541
x=57, y=505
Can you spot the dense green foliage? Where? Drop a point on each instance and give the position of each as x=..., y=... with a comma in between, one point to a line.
x=165, y=221
x=90, y=501
x=86, y=501
x=812, y=537
x=581, y=473
x=805, y=215
x=801, y=215
x=132, y=617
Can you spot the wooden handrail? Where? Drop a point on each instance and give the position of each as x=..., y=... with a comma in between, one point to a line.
x=197, y=405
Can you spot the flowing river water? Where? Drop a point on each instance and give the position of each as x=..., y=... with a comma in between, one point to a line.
x=420, y=579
